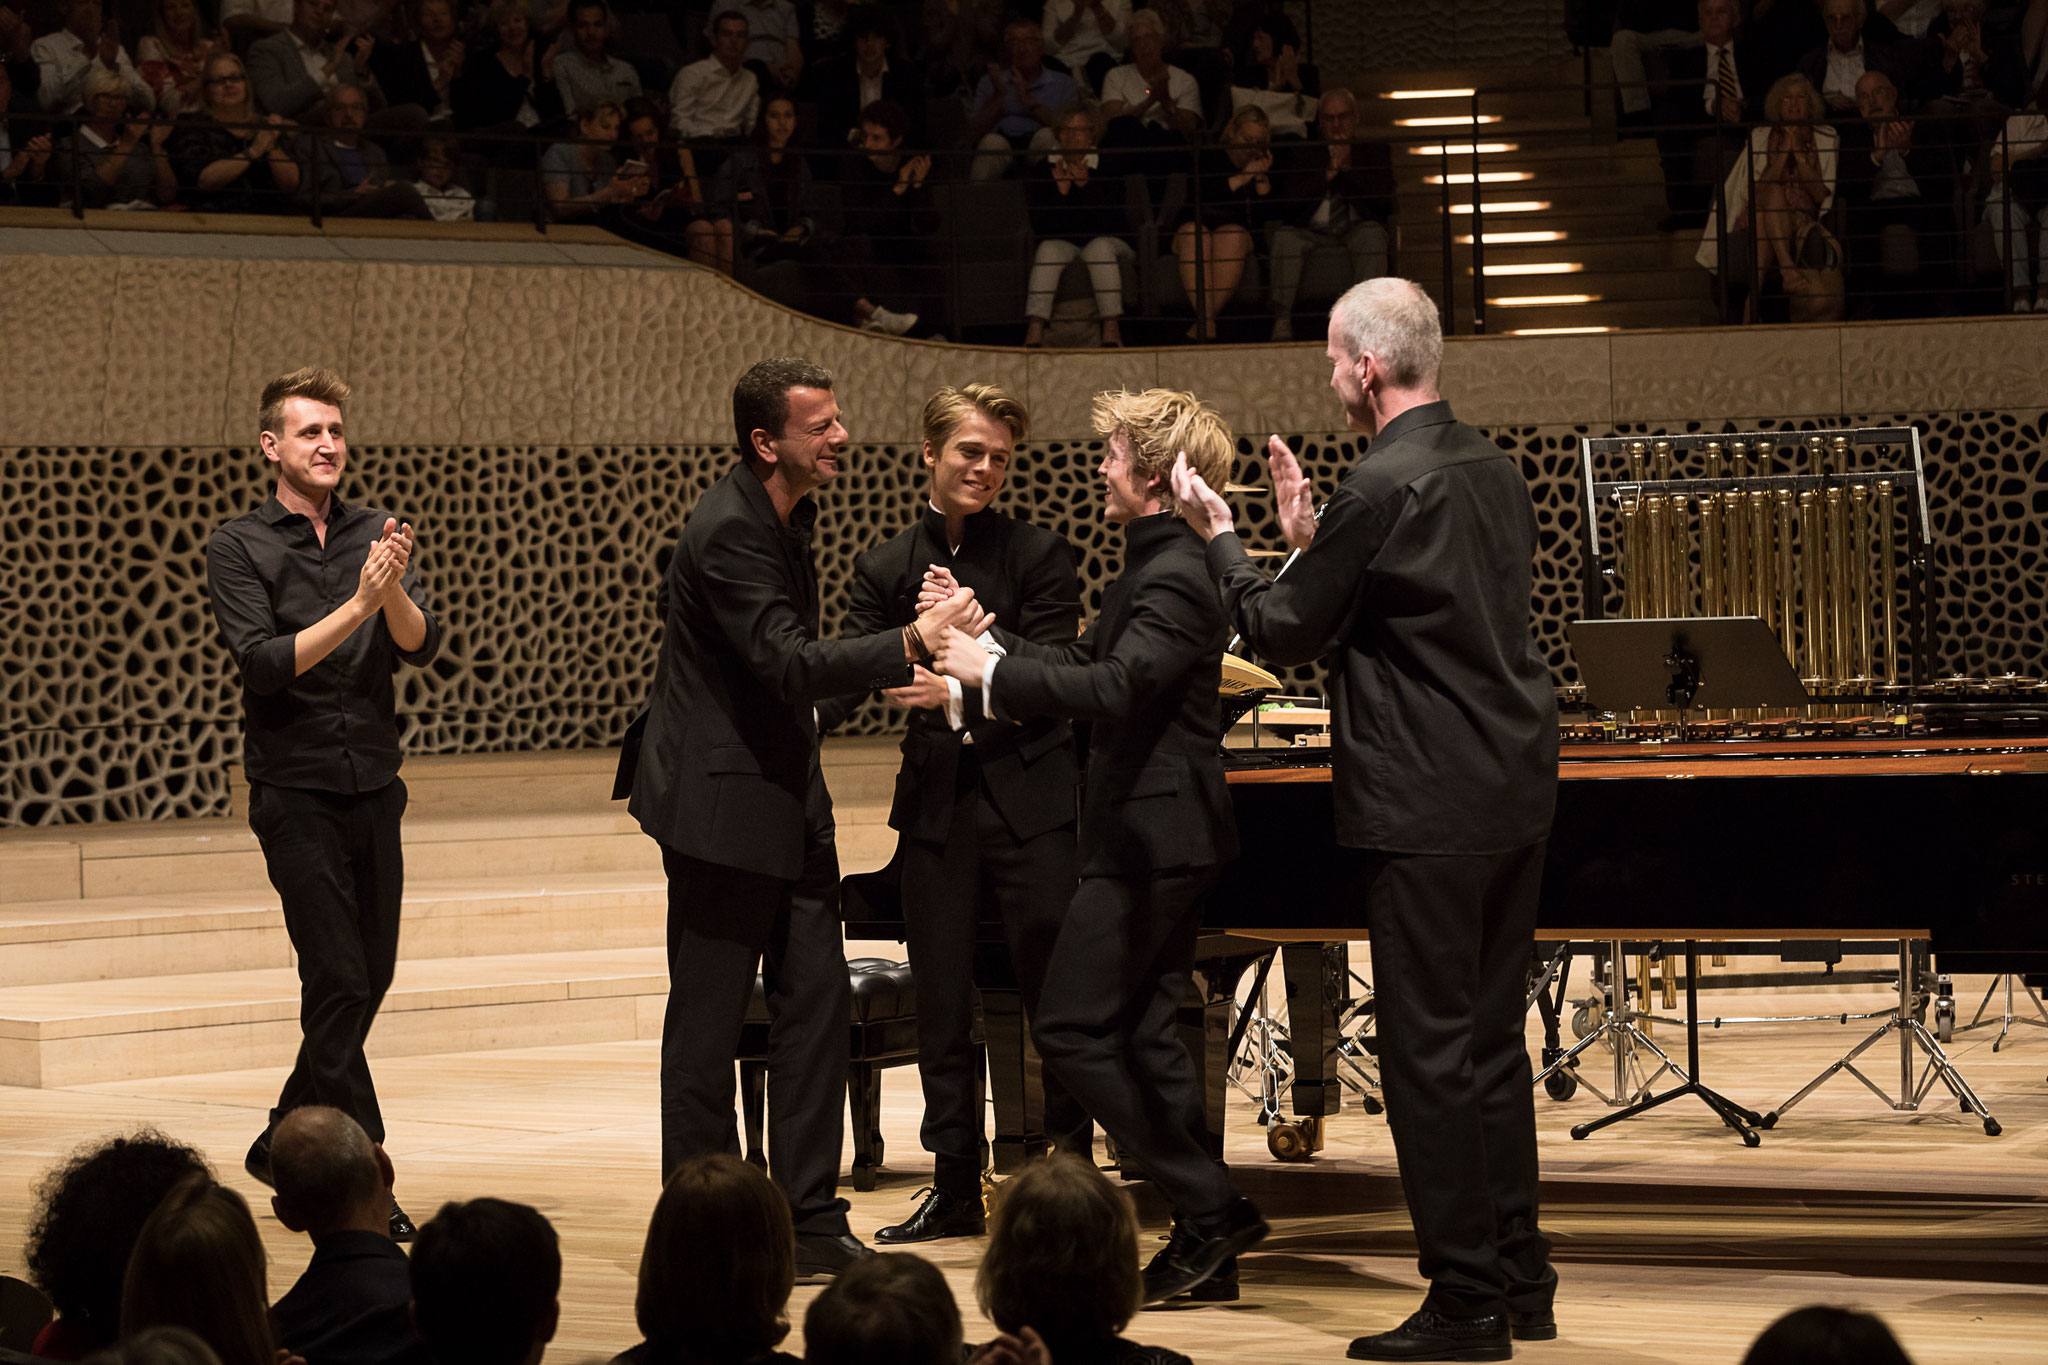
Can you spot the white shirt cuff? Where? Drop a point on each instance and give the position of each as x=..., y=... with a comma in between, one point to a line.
x=956, y=715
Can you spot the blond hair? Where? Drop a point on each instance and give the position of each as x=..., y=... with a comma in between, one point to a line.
x=1161, y=424
x=322, y=386
x=945, y=410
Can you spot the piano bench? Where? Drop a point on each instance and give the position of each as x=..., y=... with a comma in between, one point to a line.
x=883, y=1034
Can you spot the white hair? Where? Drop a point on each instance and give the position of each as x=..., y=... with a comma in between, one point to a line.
x=1145, y=20
x=1397, y=322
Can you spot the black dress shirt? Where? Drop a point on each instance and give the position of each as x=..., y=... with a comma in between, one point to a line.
x=1418, y=586
x=352, y=1306
x=332, y=728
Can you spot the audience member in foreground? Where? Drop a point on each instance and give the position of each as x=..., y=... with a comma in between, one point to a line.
x=716, y=1273
x=885, y=1310
x=198, y=1263
x=157, y=1346
x=486, y=1284
x=351, y=1306
x=1822, y=1335
x=1062, y=1267
x=86, y=1217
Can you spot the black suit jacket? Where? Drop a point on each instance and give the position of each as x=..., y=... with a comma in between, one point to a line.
x=1367, y=185
x=724, y=766
x=1025, y=575
x=1146, y=673
x=1891, y=55
x=835, y=88
x=1928, y=162
x=1418, y=584
x=401, y=68
x=352, y=1305
x=1682, y=100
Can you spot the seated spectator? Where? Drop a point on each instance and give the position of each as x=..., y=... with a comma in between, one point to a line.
x=718, y=99
x=1014, y=103
x=1898, y=192
x=961, y=37
x=158, y=1346
x=509, y=89
x=889, y=224
x=884, y=1310
x=2014, y=207
x=85, y=1220
x=870, y=71
x=586, y=73
x=1338, y=192
x=672, y=207
x=763, y=196
x=1821, y=1335
x=717, y=1269
x=1858, y=41
x=446, y=198
x=1077, y=212
x=24, y=152
x=581, y=177
x=173, y=57
x=1233, y=201
x=112, y=161
x=423, y=72
x=350, y=1307
x=1966, y=85
x=1148, y=103
x=1643, y=28
x=294, y=70
x=345, y=172
x=772, y=52
x=224, y=163
x=198, y=1263
x=1273, y=76
x=1791, y=163
x=248, y=21
x=1713, y=89
x=1062, y=1263
x=87, y=43
x=821, y=29
x=486, y=1284
x=1086, y=36
x=17, y=52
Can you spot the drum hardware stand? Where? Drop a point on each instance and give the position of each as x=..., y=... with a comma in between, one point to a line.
x=2008, y=1019
x=1912, y=1033
x=1618, y=1027
x=1743, y=1121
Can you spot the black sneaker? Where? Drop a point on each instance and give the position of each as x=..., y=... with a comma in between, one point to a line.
x=1432, y=1336
x=940, y=1215
x=257, y=1163
x=821, y=1255
x=1194, y=1252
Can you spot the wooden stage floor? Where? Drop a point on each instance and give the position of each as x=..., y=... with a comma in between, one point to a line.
x=1674, y=1242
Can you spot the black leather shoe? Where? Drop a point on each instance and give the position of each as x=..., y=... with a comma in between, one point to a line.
x=402, y=1229
x=1540, y=1325
x=1218, y=1288
x=821, y=1255
x=257, y=1163
x=1194, y=1252
x=1432, y=1336
x=940, y=1215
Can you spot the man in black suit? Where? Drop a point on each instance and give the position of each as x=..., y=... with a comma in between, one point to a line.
x=352, y=1304
x=1156, y=823
x=1708, y=93
x=1858, y=41
x=870, y=70
x=1415, y=587
x=986, y=812
x=725, y=777
x=1897, y=185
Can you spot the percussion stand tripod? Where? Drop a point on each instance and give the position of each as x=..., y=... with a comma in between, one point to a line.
x=2006, y=1022
x=1617, y=1027
x=1743, y=1121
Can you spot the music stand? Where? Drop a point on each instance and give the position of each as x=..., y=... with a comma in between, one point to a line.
x=1650, y=665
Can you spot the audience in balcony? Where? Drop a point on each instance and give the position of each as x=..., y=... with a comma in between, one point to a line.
x=511, y=88
x=896, y=285
x=347, y=174
x=579, y=178
x=88, y=42
x=1231, y=203
x=172, y=57
x=1150, y=104
x=1791, y=163
x=112, y=160
x=1644, y=31
x=1709, y=92
x=869, y=70
x=1857, y=41
x=773, y=51
x=224, y=161
x=24, y=152
x=822, y=29
x=2015, y=204
x=1336, y=195
x=719, y=98
x=673, y=205
x=247, y=21
x=1087, y=37
x=17, y=53
x=1971, y=81
x=584, y=70
x=437, y=167
x=198, y=1263
x=961, y=38
x=1014, y=103
x=486, y=1285
x=424, y=71
x=763, y=197
x=1897, y=187
x=1272, y=75
x=296, y=69
x=1077, y=212
x=885, y=1310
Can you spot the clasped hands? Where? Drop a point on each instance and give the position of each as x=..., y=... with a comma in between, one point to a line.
x=943, y=609
x=1204, y=509
x=385, y=566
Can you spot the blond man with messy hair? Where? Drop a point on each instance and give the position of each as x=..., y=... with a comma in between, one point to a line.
x=1156, y=824
x=984, y=807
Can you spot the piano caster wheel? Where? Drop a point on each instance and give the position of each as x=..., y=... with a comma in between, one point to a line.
x=1582, y=1021
x=1561, y=1085
x=1295, y=1141
x=1945, y=1020
x=1991, y=1128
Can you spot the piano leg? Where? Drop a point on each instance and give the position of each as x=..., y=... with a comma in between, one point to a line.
x=1315, y=974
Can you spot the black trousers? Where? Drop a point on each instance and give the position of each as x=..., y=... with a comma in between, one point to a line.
x=1108, y=1026
x=723, y=925
x=946, y=888
x=340, y=872
x=1451, y=943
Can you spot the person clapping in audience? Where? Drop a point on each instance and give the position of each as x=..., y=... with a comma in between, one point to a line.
x=885, y=1310
x=173, y=58
x=1077, y=211
x=24, y=151
x=198, y=1263
x=113, y=160
x=486, y=1284
x=717, y=1269
x=225, y=162
x=582, y=177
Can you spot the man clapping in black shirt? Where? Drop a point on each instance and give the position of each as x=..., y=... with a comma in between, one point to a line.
x=317, y=603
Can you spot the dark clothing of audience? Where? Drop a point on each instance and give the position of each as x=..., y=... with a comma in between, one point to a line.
x=1883, y=50
x=1213, y=203
x=765, y=199
x=1694, y=145
x=1080, y=215
x=401, y=69
x=1365, y=188
x=835, y=89
x=75, y=164
x=1899, y=218
x=334, y=175
x=897, y=226
x=2002, y=76
x=644, y=1354
x=486, y=95
x=196, y=143
x=352, y=1305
